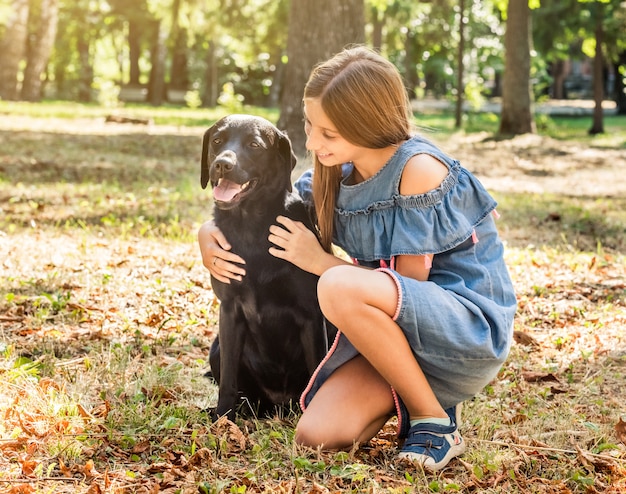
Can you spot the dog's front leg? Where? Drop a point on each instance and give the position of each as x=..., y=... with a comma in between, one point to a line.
x=231, y=335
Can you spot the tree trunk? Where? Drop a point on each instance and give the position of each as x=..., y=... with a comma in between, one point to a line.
x=317, y=30
x=516, y=117
x=378, y=22
x=597, y=126
x=156, y=91
x=620, y=89
x=460, y=88
x=179, y=76
x=411, y=78
x=40, y=51
x=134, y=51
x=179, y=79
x=558, y=76
x=86, y=70
x=12, y=49
x=210, y=89
x=278, y=78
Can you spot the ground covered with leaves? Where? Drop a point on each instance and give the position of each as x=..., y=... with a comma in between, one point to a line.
x=106, y=318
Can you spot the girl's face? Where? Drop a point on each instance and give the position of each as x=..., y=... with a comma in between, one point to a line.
x=323, y=139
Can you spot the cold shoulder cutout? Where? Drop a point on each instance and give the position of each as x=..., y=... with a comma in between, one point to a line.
x=422, y=174
x=374, y=221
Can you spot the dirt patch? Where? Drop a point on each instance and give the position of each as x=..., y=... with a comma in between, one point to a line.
x=538, y=164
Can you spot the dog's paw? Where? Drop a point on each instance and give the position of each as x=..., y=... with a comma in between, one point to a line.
x=212, y=413
x=209, y=375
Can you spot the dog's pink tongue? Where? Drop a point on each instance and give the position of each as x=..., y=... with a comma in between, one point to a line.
x=225, y=190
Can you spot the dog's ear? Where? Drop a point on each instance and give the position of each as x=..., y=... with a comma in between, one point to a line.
x=284, y=145
x=204, y=161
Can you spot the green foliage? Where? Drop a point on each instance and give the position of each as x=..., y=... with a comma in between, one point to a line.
x=235, y=50
x=229, y=100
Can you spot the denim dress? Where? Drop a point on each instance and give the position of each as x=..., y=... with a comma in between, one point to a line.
x=459, y=323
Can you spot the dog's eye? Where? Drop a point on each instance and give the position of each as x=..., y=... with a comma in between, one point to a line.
x=255, y=144
x=217, y=141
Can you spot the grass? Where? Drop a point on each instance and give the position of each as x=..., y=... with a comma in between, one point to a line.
x=106, y=318
x=164, y=115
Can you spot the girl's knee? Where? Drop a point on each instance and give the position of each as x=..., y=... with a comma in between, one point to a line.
x=304, y=436
x=333, y=290
x=330, y=287
x=308, y=433
x=335, y=278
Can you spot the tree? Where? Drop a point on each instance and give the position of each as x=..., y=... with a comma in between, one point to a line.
x=71, y=69
x=461, y=49
x=597, y=127
x=608, y=20
x=138, y=21
x=619, y=66
x=158, y=58
x=317, y=30
x=39, y=51
x=12, y=49
x=516, y=116
x=178, y=47
x=557, y=27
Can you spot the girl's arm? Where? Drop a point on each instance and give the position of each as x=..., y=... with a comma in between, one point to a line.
x=416, y=267
x=421, y=174
x=217, y=257
x=297, y=244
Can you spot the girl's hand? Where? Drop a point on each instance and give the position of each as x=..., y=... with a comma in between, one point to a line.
x=216, y=256
x=297, y=244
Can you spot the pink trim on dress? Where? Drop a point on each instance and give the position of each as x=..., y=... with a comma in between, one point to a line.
x=317, y=370
x=398, y=286
x=396, y=402
x=495, y=214
x=474, y=237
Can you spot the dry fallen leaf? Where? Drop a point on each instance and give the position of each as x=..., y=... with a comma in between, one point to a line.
x=235, y=440
x=28, y=465
x=89, y=470
x=94, y=488
x=620, y=430
x=202, y=457
x=22, y=489
x=102, y=410
x=65, y=470
x=533, y=377
x=596, y=462
x=522, y=338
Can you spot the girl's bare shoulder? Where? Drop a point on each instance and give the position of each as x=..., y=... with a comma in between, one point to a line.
x=421, y=174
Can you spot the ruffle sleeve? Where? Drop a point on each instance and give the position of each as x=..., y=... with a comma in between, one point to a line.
x=429, y=223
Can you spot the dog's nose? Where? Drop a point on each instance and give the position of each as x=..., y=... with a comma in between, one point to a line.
x=224, y=163
x=224, y=166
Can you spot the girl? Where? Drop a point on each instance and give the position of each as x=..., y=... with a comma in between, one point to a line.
x=425, y=311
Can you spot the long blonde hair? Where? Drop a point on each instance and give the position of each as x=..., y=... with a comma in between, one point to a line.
x=363, y=95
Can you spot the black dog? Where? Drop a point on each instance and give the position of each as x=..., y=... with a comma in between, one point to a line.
x=271, y=332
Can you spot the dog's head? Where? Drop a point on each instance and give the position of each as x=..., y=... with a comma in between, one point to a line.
x=244, y=156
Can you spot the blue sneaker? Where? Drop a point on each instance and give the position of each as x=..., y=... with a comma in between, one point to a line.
x=453, y=412
x=432, y=445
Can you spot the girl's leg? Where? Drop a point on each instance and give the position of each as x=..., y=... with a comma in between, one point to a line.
x=361, y=303
x=350, y=408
